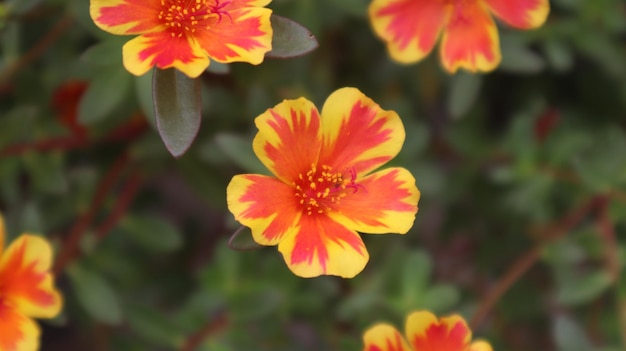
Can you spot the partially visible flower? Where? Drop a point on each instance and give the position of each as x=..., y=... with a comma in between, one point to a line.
x=26, y=290
x=324, y=191
x=410, y=28
x=424, y=332
x=65, y=102
x=185, y=34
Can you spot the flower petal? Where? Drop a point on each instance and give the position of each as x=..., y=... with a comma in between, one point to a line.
x=480, y=346
x=126, y=16
x=470, y=40
x=523, y=14
x=409, y=27
x=321, y=246
x=249, y=3
x=289, y=138
x=19, y=333
x=425, y=332
x=264, y=204
x=384, y=337
x=383, y=202
x=164, y=51
x=358, y=134
x=25, y=277
x=242, y=35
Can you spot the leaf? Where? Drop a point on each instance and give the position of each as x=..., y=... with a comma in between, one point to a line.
x=239, y=150
x=464, y=90
x=177, y=108
x=104, y=93
x=155, y=327
x=416, y=273
x=107, y=52
x=153, y=234
x=290, y=39
x=569, y=336
x=517, y=58
x=96, y=295
x=577, y=291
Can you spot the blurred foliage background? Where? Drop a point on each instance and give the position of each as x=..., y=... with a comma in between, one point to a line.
x=522, y=173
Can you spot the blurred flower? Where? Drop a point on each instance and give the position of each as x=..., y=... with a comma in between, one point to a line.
x=26, y=290
x=65, y=103
x=324, y=191
x=424, y=333
x=469, y=35
x=185, y=33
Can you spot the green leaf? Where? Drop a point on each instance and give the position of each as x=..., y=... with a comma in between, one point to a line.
x=177, y=108
x=464, y=90
x=104, y=93
x=107, y=52
x=569, y=336
x=575, y=291
x=416, y=274
x=440, y=298
x=518, y=58
x=239, y=150
x=155, y=327
x=95, y=295
x=47, y=171
x=290, y=39
x=153, y=234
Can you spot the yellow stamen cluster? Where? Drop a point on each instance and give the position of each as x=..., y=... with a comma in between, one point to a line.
x=319, y=189
x=184, y=16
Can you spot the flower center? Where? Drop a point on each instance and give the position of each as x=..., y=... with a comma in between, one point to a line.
x=185, y=16
x=321, y=189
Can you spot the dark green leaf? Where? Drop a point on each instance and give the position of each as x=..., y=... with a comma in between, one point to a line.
x=290, y=39
x=95, y=295
x=464, y=90
x=104, y=93
x=153, y=234
x=569, y=336
x=239, y=150
x=177, y=108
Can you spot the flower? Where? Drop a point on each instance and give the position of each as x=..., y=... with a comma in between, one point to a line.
x=323, y=191
x=184, y=34
x=424, y=333
x=470, y=37
x=26, y=290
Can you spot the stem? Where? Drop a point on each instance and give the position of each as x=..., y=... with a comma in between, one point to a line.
x=526, y=261
x=38, y=49
x=70, y=248
x=217, y=324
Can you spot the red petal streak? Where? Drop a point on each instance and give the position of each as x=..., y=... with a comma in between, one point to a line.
x=517, y=13
x=439, y=338
x=414, y=20
x=20, y=280
x=233, y=30
x=267, y=197
x=11, y=326
x=390, y=345
x=362, y=131
x=299, y=143
x=470, y=39
x=380, y=192
x=316, y=232
x=163, y=50
x=142, y=13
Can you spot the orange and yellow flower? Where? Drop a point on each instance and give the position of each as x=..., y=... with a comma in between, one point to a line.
x=324, y=191
x=469, y=40
x=26, y=291
x=185, y=34
x=424, y=332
